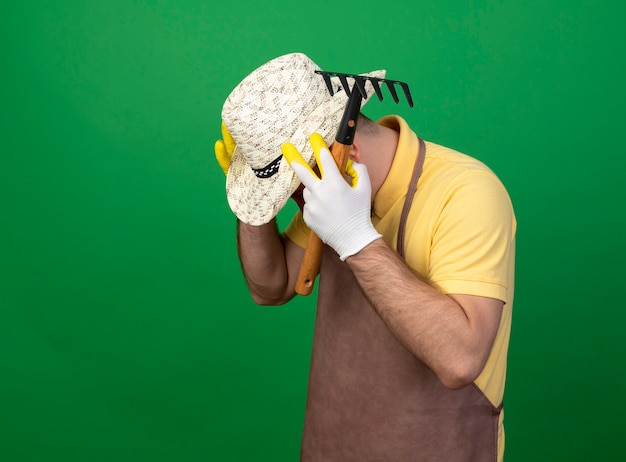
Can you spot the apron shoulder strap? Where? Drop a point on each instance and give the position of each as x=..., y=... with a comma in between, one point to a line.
x=417, y=171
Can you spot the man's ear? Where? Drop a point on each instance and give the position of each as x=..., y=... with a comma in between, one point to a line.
x=355, y=151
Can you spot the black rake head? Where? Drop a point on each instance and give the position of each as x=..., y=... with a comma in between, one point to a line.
x=360, y=82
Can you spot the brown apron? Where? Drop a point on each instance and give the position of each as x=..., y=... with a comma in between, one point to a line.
x=369, y=398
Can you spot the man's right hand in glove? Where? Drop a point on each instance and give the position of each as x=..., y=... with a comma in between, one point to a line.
x=337, y=212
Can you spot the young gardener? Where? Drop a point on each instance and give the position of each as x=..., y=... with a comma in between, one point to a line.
x=416, y=285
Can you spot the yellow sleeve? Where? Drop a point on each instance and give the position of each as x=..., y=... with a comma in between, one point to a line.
x=297, y=230
x=473, y=243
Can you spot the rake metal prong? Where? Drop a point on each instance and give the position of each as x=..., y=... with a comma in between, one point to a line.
x=360, y=84
x=407, y=93
x=374, y=81
x=343, y=78
x=392, y=90
x=329, y=84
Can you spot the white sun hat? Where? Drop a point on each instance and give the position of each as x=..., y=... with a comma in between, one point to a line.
x=282, y=101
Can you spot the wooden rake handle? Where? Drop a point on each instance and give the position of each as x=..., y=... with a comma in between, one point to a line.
x=313, y=253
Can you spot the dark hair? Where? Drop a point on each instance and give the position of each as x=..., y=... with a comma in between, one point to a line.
x=367, y=126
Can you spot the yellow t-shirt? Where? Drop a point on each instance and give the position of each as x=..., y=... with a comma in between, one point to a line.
x=460, y=234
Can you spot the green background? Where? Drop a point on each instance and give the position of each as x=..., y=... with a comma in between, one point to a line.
x=126, y=332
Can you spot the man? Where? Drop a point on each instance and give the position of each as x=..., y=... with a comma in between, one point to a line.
x=416, y=281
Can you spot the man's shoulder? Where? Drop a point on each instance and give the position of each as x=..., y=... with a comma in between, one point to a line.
x=449, y=161
x=451, y=177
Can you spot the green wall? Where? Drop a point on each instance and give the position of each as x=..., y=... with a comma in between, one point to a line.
x=126, y=332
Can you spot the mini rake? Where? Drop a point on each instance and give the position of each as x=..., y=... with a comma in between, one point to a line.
x=340, y=150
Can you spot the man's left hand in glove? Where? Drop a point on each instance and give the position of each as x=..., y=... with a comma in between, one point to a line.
x=339, y=213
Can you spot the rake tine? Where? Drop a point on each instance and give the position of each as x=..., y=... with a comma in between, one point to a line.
x=359, y=83
x=374, y=81
x=392, y=90
x=407, y=93
x=329, y=84
x=344, y=83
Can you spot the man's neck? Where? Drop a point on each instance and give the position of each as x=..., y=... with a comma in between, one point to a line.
x=378, y=154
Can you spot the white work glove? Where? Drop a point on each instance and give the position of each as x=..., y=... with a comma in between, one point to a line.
x=337, y=212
